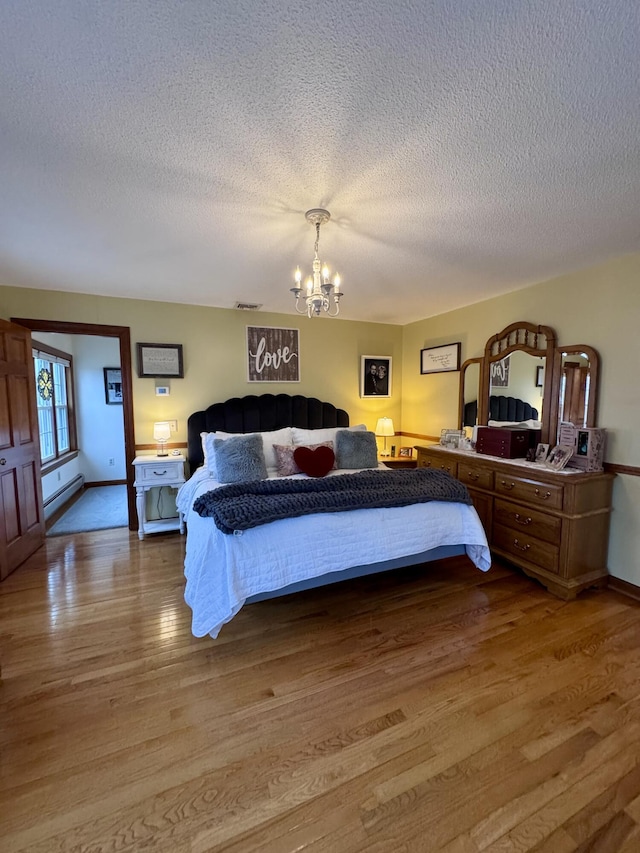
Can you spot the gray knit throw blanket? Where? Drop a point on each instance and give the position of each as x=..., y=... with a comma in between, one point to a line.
x=240, y=506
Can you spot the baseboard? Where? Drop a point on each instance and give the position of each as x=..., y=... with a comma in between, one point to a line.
x=95, y=483
x=62, y=496
x=624, y=587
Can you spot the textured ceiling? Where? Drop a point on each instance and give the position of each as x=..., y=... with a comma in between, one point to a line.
x=168, y=149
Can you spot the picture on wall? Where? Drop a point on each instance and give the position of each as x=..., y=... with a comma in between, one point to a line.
x=375, y=376
x=273, y=355
x=112, y=385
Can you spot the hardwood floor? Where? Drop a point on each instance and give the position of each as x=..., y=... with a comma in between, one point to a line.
x=434, y=709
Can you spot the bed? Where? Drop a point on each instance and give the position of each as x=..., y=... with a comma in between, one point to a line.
x=503, y=410
x=224, y=571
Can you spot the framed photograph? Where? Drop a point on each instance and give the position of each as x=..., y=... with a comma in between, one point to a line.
x=542, y=451
x=273, y=355
x=500, y=372
x=540, y=376
x=440, y=359
x=559, y=456
x=375, y=376
x=407, y=452
x=164, y=360
x=112, y=386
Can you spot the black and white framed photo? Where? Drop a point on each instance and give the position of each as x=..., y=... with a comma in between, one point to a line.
x=559, y=456
x=440, y=359
x=375, y=376
x=163, y=360
x=112, y=386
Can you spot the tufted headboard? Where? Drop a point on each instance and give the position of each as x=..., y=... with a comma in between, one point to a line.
x=259, y=414
x=501, y=409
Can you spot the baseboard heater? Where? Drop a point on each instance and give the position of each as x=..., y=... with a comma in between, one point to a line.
x=60, y=498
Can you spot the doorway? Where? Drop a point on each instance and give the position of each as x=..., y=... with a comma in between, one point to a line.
x=123, y=334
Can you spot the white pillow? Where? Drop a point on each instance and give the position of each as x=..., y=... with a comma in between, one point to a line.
x=276, y=436
x=317, y=436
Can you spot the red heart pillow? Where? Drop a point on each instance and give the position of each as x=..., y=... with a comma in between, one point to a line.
x=315, y=462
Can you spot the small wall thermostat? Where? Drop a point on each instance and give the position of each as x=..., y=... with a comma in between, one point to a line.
x=162, y=390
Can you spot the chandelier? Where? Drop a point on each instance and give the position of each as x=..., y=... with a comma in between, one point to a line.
x=319, y=294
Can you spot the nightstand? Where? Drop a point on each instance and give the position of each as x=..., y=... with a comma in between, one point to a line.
x=398, y=461
x=153, y=472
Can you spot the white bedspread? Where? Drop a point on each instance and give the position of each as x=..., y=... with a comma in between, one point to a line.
x=222, y=570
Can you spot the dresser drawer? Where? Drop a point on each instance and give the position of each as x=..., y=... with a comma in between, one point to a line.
x=533, y=522
x=439, y=462
x=531, y=491
x=157, y=473
x=473, y=475
x=522, y=546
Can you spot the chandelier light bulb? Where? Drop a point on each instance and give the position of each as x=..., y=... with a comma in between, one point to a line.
x=321, y=296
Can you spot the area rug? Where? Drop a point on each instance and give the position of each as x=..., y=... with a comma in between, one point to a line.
x=97, y=508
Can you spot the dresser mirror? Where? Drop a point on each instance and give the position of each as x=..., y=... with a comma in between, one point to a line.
x=522, y=367
x=576, y=384
x=469, y=388
x=509, y=390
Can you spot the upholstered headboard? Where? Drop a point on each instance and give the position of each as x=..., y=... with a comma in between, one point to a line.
x=501, y=409
x=259, y=414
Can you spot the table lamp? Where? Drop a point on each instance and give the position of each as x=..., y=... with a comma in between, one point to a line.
x=162, y=433
x=384, y=427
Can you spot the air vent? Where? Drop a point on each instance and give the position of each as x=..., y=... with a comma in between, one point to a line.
x=247, y=306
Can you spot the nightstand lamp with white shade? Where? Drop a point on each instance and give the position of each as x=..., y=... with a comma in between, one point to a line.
x=162, y=434
x=384, y=427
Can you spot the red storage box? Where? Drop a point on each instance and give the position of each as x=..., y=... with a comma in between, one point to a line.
x=506, y=442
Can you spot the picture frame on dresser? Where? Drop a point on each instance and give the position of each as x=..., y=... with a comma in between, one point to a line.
x=559, y=456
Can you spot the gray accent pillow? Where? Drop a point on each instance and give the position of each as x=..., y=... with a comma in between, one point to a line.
x=240, y=459
x=356, y=449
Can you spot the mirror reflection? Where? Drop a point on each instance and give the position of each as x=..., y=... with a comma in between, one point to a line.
x=470, y=388
x=515, y=394
x=575, y=389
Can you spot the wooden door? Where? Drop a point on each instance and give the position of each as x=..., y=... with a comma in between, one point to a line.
x=22, y=528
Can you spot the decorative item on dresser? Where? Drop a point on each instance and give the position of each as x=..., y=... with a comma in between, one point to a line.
x=304, y=550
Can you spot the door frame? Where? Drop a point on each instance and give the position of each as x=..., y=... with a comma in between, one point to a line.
x=123, y=334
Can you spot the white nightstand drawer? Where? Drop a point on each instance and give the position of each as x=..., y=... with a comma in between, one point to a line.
x=159, y=472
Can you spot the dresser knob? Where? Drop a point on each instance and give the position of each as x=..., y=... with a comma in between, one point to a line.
x=160, y=473
x=3, y=461
x=523, y=521
x=473, y=476
x=543, y=497
x=521, y=547
x=508, y=486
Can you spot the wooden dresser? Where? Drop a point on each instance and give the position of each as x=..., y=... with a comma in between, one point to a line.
x=554, y=525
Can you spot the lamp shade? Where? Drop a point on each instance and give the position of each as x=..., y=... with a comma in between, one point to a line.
x=384, y=427
x=162, y=431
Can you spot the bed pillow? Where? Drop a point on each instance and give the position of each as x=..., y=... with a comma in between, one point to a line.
x=276, y=436
x=314, y=461
x=318, y=436
x=356, y=449
x=287, y=465
x=239, y=458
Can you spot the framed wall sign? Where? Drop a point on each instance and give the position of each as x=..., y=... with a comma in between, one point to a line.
x=112, y=386
x=273, y=355
x=440, y=359
x=375, y=376
x=160, y=360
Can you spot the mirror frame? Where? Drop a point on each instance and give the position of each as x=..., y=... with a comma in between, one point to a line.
x=463, y=368
x=594, y=369
x=539, y=341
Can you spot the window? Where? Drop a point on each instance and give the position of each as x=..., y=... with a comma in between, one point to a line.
x=54, y=396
